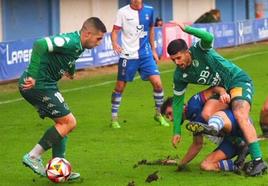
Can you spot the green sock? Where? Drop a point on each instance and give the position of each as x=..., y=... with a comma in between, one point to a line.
x=50, y=137
x=58, y=150
x=255, y=150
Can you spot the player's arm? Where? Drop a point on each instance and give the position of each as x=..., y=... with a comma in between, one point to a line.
x=151, y=40
x=206, y=37
x=193, y=150
x=39, y=48
x=115, y=32
x=224, y=96
x=114, y=37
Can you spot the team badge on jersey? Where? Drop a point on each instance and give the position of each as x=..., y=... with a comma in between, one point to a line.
x=59, y=41
x=195, y=63
x=184, y=75
x=147, y=17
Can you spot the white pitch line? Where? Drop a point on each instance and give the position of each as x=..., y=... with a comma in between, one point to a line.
x=138, y=77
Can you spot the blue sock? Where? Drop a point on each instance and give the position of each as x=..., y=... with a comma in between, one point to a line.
x=116, y=100
x=226, y=165
x=159, y=99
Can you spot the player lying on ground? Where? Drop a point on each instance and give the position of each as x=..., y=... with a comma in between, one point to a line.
x=230, y=146
x=201, y=64
x=52, y=58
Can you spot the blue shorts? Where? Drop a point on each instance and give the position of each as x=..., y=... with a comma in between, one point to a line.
x=229, y=147
x=127, y=68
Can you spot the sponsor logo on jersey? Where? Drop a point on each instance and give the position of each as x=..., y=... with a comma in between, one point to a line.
x=45, y=99
x=184, y=75
x=129, y=19
x=59, y=41
x=195, y=63
x=50, y=105
x=54, y=112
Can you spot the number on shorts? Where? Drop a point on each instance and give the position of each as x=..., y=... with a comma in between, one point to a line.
x=124, y=63
x=59, y=96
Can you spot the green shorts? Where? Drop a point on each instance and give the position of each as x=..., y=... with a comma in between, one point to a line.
x=242, y=90
x=49, y=103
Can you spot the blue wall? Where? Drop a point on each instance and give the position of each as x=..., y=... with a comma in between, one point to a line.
x=30, y=18
x=234, y=10
x=162, y=8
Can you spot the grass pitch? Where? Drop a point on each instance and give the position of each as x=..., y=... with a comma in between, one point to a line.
x=106, y=156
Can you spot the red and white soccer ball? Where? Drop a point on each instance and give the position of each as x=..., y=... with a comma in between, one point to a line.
x=58, y=170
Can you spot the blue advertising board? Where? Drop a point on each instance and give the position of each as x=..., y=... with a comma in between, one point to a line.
x=15, y=55
x=244, y=32
x=14, y=58
x=261, y=29
x=224, y=34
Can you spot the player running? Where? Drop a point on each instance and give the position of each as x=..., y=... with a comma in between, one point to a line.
x=54, y=57
x=200, y=64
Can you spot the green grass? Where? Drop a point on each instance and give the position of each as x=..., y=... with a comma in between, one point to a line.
x=105, y=156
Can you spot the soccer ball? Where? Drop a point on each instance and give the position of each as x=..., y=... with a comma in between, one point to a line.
x=58, y=170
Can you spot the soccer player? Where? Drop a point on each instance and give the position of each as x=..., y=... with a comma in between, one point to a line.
x=231, y=145
x=54, y=57
x=264, y=119
x=200, y=64
x=137, y=53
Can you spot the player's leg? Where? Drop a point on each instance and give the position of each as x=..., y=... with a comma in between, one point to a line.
x=149, y=71
x=241, y=99
x=64, y=125
x=49, y=104
x=126, y=72
x=264, y=119
x=212, y=162
x=217, y=122
x=212, y=106
x=220, y=159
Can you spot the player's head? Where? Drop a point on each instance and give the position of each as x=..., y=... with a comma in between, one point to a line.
x=136, y=4
x=167, y=110
x=179, y=53
x=92, y=32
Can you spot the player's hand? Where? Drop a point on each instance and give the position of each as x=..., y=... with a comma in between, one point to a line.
x=29, y=83
x=181, y=25
x=181, y=167
x=117, y=48
x=176, y=139
x=225, y=98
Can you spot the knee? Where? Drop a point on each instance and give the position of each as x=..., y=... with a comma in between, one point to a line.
x=71, y=122
x=65, y=124
x=203, y=166
x=120, y=86
x=207, y=166
x=157, y=86
x=265, y=108
x=206, y=115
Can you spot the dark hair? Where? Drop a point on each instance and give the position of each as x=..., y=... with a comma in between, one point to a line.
x=167, y=103
x=176, y=46
x=96, y=23
x=158, y=19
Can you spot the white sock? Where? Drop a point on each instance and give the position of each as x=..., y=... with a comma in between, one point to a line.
x=37, y=151
x=216, y=122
